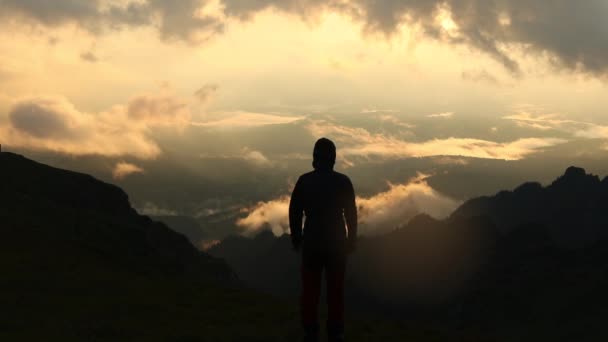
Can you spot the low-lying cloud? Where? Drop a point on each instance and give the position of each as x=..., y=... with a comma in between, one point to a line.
x=124, y=169
x=255, y=157
x=444, y=115
x=396, y=206
x=152, y=209
x=273, y=214
x=546, y=122
x=249, y=155
x=377, y=214
x=359, y=142
x=240, y=119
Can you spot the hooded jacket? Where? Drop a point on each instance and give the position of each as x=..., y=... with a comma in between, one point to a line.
x=326, y=199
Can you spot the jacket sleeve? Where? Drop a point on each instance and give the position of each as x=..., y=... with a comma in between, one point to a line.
x=296, y=209
x=350, y=211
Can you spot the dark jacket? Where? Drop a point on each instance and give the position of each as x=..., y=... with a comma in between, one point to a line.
x=327, y=199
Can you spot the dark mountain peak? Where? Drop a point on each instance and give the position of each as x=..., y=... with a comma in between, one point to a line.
x=23, y=177
x=575, y=177
x=573, y=208
x=93, y=219
x=528, y=188
x=265, y=235
x=185, y=225
x=422, y=220
x=574, y=171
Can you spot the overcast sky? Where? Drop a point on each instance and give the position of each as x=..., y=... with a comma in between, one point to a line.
x=233, y=88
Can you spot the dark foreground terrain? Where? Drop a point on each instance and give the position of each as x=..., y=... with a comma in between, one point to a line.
x=79, y=264
x=524, y=265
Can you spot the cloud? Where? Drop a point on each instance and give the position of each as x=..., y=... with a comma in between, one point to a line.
x=479, y=76
x=575, y=42
x=206, y=245
x=251, y=156
x=541, y=122
x=570, y=34
x=123, y=169
x=256, y=157
x=159, y=110
x=401, y=202
x=444, y=115
x=450, y=161
x=358, y=142
x=378, y=213
x=185, y=19
x=241, y=119
x=151, y=209
x=545, y=122
x=272, y=214
x=89, y=56
x=393, y=120
x=206, y=92
x=53, y=123
x=377, y=110
x=593, y=132
x=45, y=118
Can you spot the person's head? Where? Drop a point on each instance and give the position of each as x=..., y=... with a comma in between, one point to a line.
x=324, y=154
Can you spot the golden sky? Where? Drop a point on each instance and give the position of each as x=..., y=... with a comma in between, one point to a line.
x=211, y=94
x=99, y=77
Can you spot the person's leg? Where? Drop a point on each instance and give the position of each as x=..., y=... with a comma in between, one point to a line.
x=309, y=300
x=335, y=300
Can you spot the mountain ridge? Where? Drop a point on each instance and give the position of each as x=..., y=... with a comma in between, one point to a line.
x=75, y=208
x=78, y=263
x=515, y=280
x=574, y=207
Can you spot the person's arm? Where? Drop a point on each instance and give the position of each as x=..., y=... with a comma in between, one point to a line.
x=350, y=214
x=296, y=210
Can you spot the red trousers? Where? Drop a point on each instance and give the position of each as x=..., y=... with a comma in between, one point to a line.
x=312, y=271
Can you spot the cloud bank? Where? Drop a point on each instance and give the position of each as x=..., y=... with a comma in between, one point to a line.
x=123, y=169
x=377, y=214
x=547, y=122
x=396, y=206
x=273, y=214
x=249, y=155
x=569, y=34
x=240, y=119
x=183, y=20
x=444, y=115
x=53, y=123
x=358, y=142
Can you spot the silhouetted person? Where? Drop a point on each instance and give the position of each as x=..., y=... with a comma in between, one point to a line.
x=327, y=198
